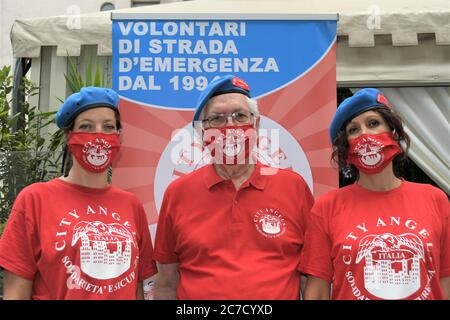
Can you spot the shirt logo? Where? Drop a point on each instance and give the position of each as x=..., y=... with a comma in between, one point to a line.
x=389, y=257
x=270, y=223
x=98, y=256
x=105, y=250
x=392, y=264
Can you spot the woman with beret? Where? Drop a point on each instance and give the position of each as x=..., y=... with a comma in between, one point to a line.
x=77, y=237
x=381, y=237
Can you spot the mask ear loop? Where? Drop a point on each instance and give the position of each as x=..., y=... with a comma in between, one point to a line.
x=347, y=171
x=400, y=142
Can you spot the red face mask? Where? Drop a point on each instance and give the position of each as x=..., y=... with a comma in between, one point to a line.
x=231, y=144
x=94, y=151
x=371, y=153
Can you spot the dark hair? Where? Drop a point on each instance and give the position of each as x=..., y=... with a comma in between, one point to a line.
x=67, y=161
x=340, y=144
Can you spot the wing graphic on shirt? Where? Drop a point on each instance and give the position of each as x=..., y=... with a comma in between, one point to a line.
x=98, y=228
x=388, y=242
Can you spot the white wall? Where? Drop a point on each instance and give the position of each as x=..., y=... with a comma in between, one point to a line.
x=11, y=10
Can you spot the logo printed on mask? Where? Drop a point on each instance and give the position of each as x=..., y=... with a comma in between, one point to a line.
x=371, y=153
x=94, y=151
x=97, y=152
x=231, y=144
x=270, y=223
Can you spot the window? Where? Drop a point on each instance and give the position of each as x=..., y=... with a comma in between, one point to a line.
x=107, y=6
x=141, y=3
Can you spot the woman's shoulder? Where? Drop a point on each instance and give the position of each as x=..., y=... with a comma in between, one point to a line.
x=338, y=193
x=332, y=201
x=119, y=191
x=39, y=187
x=424, y=189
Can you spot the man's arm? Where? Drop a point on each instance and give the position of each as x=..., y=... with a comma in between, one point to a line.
x=16, y=287
x=317, y=289
x=445, y=284
x=140, y=291
x=303, y=280
x=166, y=281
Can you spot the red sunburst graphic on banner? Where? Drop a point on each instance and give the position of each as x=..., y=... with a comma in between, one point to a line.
x=304, y=107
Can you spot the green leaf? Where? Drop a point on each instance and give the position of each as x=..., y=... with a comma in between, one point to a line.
x=12, y=121
x=74, y=80
x=97, y=81
x=71, y=83
x=89, y=72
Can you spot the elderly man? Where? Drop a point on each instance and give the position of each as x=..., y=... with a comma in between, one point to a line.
x=229, y=230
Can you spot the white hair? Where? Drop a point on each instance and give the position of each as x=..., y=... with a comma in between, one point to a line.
x=253, y=106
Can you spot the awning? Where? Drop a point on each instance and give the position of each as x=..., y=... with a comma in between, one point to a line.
x=381, y=42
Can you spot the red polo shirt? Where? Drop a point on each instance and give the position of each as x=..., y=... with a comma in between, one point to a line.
x=234, y=244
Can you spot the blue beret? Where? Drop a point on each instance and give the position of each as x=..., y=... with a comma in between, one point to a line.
x=363, y=100
x=222, y=85
x=87, y=98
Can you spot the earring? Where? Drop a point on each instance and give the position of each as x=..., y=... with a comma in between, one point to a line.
x=347, y=172
x=395, y=134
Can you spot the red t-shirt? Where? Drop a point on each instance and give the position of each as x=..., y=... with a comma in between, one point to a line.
x=76, y=242
x=380, y=245
x=234, y=244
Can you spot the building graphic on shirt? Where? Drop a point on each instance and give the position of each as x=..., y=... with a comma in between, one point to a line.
x=392, y=264
x=105, y=250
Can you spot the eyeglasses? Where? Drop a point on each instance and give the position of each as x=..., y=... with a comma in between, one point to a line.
x=221, y=119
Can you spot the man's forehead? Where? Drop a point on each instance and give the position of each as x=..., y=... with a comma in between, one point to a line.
x=227, y=101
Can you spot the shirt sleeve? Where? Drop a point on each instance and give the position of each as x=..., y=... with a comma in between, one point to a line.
x=316, y=252
x=165, y=237
x=308, y=203
x=444, y=208
x=19, y=244
x=147, y=266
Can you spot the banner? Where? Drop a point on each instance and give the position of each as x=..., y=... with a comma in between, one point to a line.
x=160, y=66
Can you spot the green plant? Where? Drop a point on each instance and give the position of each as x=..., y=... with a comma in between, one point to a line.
x=28, y=153
x=2, y=227
x=75, y=81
